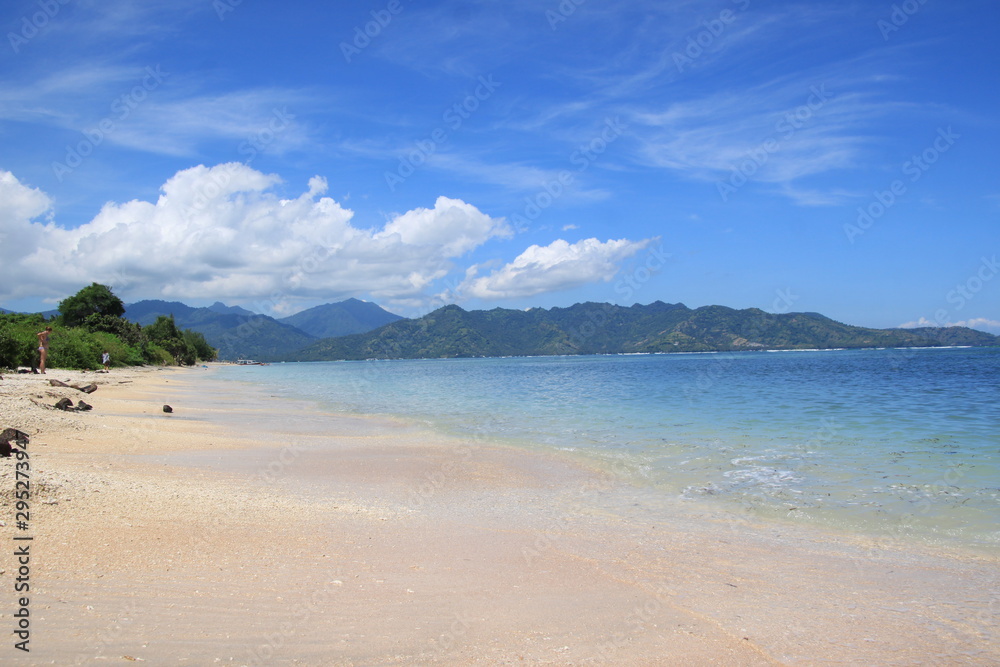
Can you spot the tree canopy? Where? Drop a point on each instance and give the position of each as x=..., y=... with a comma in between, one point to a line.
x=95, y=299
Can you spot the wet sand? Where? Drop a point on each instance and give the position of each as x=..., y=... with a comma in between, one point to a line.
x=248, y=529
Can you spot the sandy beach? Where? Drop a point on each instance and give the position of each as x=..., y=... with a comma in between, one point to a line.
x=248, y=529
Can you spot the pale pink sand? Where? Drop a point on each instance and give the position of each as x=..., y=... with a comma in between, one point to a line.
x=203, y=537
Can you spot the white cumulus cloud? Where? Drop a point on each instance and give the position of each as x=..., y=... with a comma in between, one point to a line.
x=558, y=266
x=222, y=232
x=452, y=225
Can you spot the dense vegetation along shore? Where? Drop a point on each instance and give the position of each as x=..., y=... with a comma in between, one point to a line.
x=89, y=324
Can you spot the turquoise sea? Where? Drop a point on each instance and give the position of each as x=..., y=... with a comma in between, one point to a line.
x=895, y=443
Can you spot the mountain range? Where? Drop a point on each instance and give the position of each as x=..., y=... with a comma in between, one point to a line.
x=355, y=329
x=600, y=328
x=240, y=333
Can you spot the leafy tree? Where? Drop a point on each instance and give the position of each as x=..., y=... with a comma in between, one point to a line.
x=128, y=332
x=95, y=299
x=165, y=334
x=202, y=349
x=164, y=328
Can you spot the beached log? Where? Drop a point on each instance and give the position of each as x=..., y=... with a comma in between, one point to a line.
x=64, y=404
x=167, y=408
x=87, y=389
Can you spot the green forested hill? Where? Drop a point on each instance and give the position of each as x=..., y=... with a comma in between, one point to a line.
x=240, y=333
x=596, y=328
x=235, y=332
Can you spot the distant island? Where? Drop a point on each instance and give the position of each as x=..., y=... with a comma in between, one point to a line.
x=602, y=328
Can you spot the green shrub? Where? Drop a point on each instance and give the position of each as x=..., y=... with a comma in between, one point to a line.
x=18, y=343
x=156, y=355
x=121, y=354
x=74, y=348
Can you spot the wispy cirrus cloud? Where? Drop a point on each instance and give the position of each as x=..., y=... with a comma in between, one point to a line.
x=152, y=110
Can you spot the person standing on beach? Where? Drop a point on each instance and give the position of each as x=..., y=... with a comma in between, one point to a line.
x=106, y=359
x=43, y=347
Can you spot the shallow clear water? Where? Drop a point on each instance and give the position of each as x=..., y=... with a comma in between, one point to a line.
x=881, y=442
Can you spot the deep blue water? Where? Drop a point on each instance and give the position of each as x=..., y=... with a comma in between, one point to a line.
x=893, y=442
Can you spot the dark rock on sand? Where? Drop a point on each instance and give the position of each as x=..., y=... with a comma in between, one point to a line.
x=10, y=435
x=167, y=408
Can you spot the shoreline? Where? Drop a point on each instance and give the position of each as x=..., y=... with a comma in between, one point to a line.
x=907, y=526
x=233, y=530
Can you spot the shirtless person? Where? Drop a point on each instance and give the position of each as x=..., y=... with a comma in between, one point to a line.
x=43, y=347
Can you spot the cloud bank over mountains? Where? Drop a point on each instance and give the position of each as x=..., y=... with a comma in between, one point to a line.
x=223, y=232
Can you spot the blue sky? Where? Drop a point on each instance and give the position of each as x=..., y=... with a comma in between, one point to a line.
x=836, y=157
